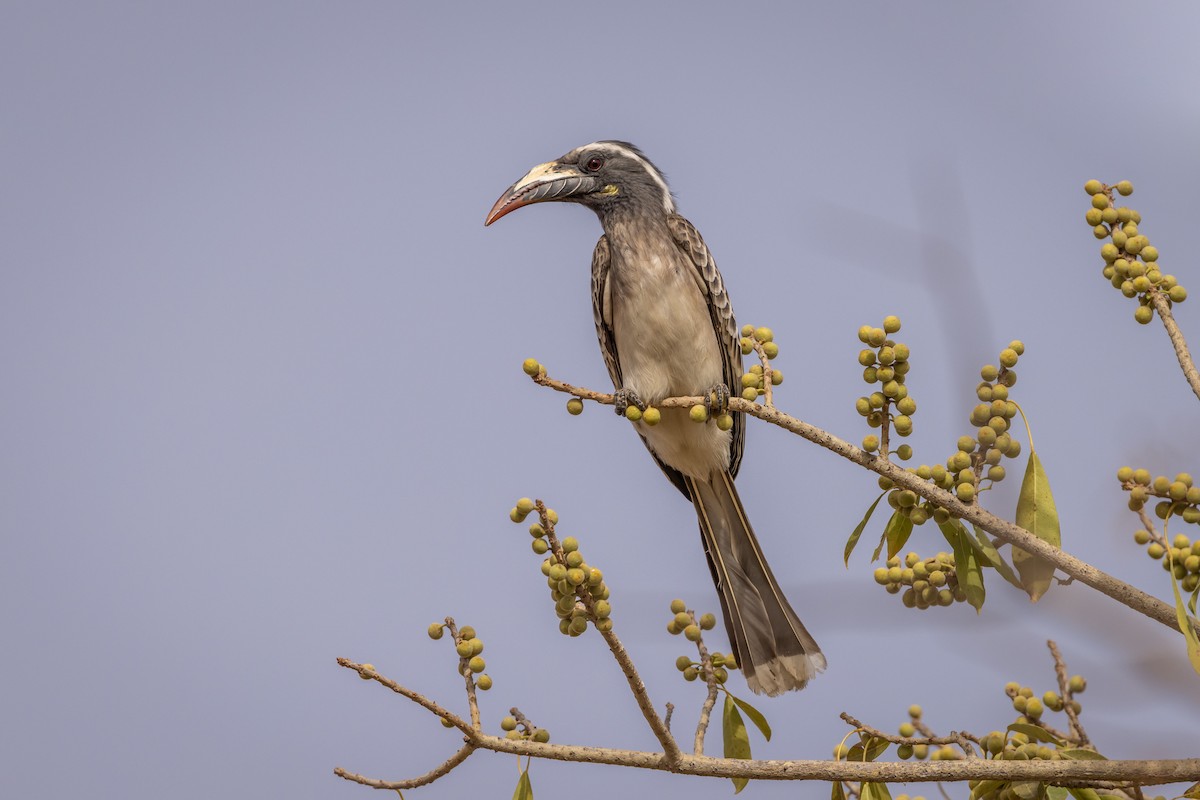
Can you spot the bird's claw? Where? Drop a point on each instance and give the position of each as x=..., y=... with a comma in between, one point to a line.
x=716, y=399
x=624, y=398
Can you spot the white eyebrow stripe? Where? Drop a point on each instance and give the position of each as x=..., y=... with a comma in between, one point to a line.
x=609, y=147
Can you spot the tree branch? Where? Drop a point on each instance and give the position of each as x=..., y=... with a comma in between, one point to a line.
x=1177, y=341
x=1101, y=581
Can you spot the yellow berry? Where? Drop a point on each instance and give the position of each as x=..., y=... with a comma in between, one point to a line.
x=698, y=413
x=651, y=416
x=574, y=406
x=531, y=366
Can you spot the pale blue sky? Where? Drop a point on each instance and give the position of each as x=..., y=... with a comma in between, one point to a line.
x=264, y=405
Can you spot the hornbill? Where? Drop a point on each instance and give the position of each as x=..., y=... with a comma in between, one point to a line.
x=666, y=329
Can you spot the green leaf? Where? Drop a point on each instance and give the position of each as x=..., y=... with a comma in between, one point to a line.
x=737, y=740
x=853, y=540
x=966, y=562
x=755, y=716
x=868, y=748
x=1193, y=792
x=1035, y=732
x=991, y=556
x=524, y=788
x=874, y=791
x=1185, y=622
x=1083, y=793
x=986, y=787
x=839, y=792
x=1192, y=603
x=1027, y=790
x=1036, y=513
x=1056, y=793
x=898, y=529
x=1081, y=755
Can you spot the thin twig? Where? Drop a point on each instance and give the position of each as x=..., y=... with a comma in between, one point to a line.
x=1006, y=531
x=671, y=751
x=412, y=783
x=1065, y=773
x=465, y=670
x=667, y=716
x=416, y=697
x=711, y=699
x=1177, y=341
x=962, y=739
x=1064, y=689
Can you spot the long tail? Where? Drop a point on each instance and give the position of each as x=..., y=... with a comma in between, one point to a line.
x=770, y=642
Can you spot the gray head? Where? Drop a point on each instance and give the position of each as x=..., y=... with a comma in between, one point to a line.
x=608, y=177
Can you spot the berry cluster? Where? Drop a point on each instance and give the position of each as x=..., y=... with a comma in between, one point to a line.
x=1177, y=498
x=712, y=666
x=754, y=381
x=1130, y=261
x=469, y=648
x=978, y=457
x=885, y=362
x=577, y=589
x=925, y=582
x=516, y=726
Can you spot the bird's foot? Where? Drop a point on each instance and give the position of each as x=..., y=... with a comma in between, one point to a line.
x=716, y=399
x=624, y=398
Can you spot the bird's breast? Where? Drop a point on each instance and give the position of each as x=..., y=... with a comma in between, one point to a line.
x=664, y=333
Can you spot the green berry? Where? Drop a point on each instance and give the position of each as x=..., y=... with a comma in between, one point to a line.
x=508, y=724
x=724, y=422
x=870, y=443
x=633, y=413
x=891, y=324
x=1093, y=187
x=698, y=413
x=575, y=406
x=678, y=606
x=477, y=664
x=1143, y=314
x=1125, y=188
x=708, y=622
x=531, y=366
x=435, y=630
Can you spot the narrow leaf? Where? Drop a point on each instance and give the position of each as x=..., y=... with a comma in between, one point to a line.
x=1192, y=603
x=1193, y=792
x=898, y=529
x=1036, y=513
x=1185, y=623
x=991, y=556
x=966, y=562
x=874, y=791
x=986, y=787
x=1027, y=790
x=839, y=791
x=524, y=788
x=1081, y=755
x=1035, y=732
x=1083, y=793
x=755, y=716
x=737, y=740
x=853, y=540
x=868, y=749
x=1056, y=793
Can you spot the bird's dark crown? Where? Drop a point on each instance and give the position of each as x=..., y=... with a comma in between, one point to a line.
x=630, y=180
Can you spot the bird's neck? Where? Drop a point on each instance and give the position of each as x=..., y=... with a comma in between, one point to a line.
x=627, y=221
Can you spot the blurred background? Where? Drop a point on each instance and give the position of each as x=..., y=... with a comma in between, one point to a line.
x=263, y=403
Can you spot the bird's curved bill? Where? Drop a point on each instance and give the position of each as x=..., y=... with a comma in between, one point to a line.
x=550, y=181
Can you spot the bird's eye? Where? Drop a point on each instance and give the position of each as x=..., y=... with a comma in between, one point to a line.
x=594, y=164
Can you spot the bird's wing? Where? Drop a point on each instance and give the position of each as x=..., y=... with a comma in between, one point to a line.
x=708, y=278
x=602, y=312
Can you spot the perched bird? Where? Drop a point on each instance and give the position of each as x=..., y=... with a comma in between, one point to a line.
x=666, y=329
